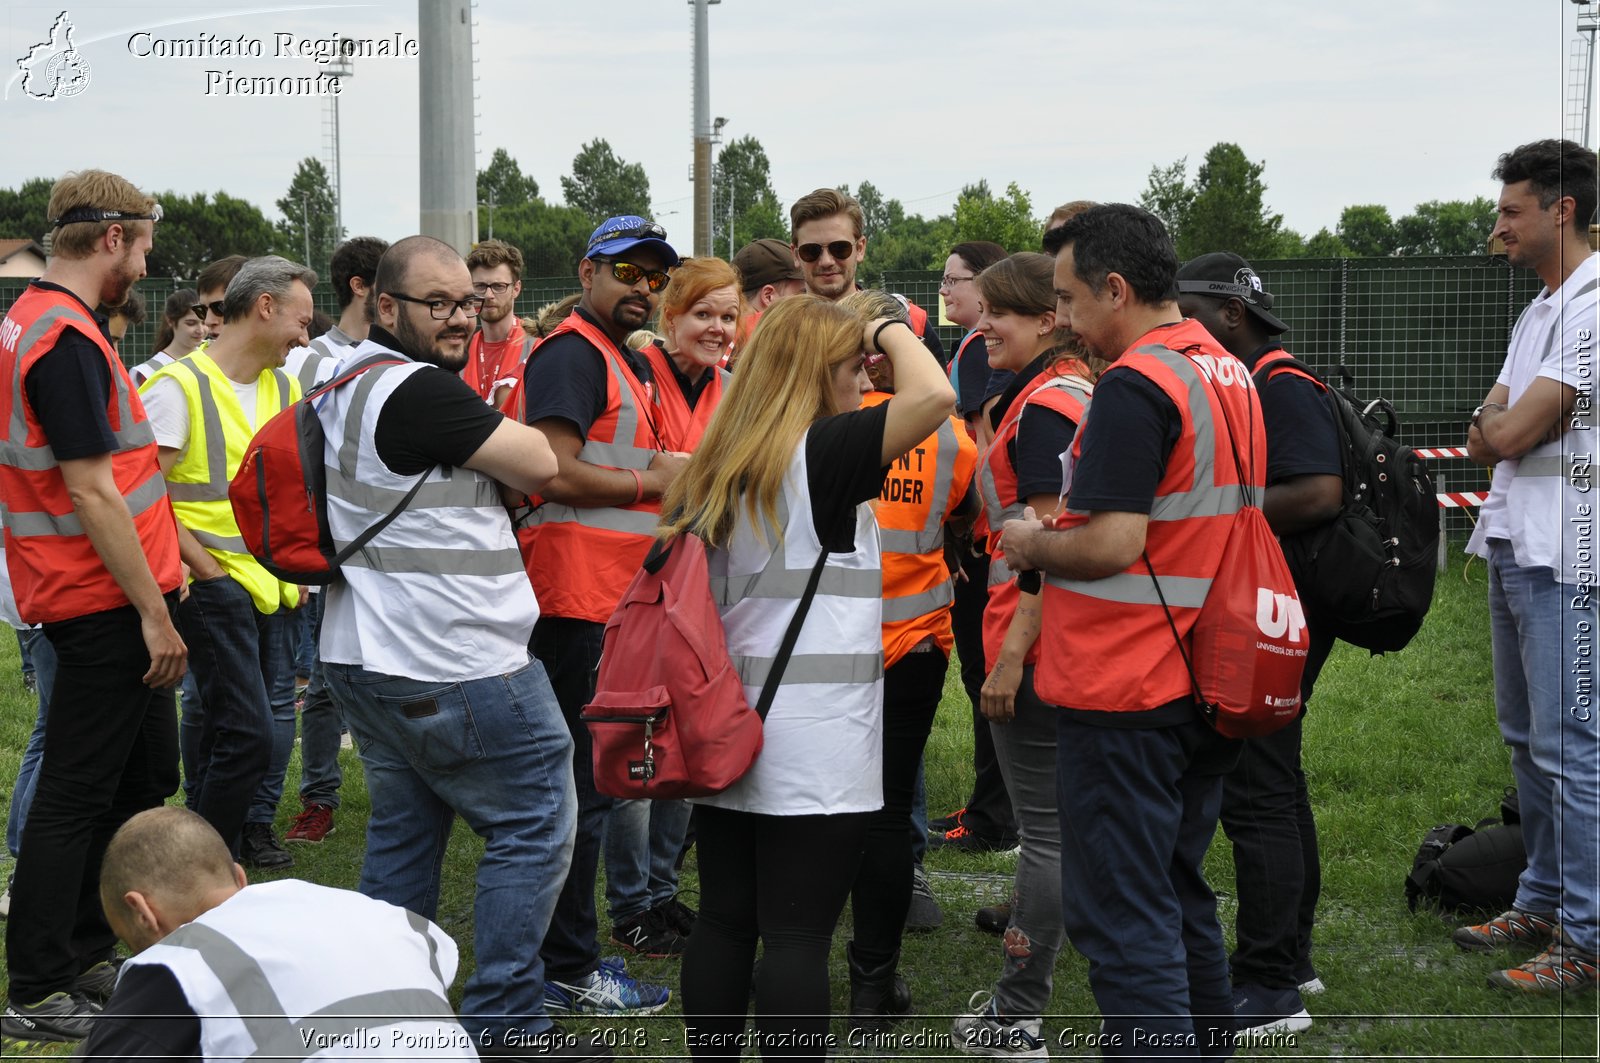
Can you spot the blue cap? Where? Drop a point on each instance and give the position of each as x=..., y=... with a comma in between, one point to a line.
x=628, y=231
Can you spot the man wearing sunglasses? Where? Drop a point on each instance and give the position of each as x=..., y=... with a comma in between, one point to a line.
x=212, y=284
x=830, y=244
x=593, y=398
x=92, y=550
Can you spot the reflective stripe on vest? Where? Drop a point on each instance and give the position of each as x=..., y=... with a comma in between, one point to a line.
x=26, y=524
x=309, y=369
x=215, y=487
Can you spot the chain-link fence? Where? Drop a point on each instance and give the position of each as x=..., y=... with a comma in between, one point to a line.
x=1428, y=334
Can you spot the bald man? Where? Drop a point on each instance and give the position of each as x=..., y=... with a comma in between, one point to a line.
x=226, y=970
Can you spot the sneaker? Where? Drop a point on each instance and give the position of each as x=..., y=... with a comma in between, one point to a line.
x=924, y=913
x=30, y=682
x=648, y=934
x=1259, y=1010
x=960, y=837
x=994, y=919
x=259, y=847
x=58, y=1017
x=946, y=823
x=1509, y=929
x=1561, y=968
x=5, y=903
x=607, y=991
x=1310, y=984
x=984, y=1033
x=97, y=983
x=678, y=915
x=312, y=825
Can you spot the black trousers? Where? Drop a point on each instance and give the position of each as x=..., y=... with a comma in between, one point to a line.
x=989, y=807
x=912, y=688
x=783, y=879
x=110, y=751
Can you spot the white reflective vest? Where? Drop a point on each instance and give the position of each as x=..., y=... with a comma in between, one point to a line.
x=822, y=748
x=289, y=970
x=439, y=594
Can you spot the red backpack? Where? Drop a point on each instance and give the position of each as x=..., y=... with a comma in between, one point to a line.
x=1249, y=641
x=669, y=717
x=280, y=493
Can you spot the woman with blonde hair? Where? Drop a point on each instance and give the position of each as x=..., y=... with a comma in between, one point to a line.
x=1039, y=414
x=782, y=477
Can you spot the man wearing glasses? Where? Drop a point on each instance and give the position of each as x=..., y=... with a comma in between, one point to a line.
x=499, y=347
x=830, y=243
x=589, y=531
x=425, y=640
x=92, y=551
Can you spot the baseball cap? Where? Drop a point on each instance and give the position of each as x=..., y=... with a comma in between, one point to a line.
x=628, y=231
x=1224, y=275
x=764, y=262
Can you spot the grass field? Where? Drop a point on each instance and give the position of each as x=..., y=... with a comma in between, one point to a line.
x=1393, y=745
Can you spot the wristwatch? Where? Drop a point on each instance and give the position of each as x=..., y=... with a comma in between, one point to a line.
x=1478, y=413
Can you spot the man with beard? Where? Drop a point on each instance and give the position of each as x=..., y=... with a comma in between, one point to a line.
x=92, y=551
x=425, y=640
x=593, y=398
x=498, y=349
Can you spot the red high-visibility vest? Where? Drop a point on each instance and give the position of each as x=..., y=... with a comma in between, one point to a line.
x=55, y=570
x=681, y=426
x=1106, y=644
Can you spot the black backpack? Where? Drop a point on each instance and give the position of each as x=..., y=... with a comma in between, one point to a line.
x=1367, y=575
x=1461, y=870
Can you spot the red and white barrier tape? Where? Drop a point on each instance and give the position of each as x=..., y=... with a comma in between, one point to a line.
x=1461, y=499
x=1441, y=452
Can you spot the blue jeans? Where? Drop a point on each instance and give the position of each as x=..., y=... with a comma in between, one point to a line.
x=643, y=839
x=277, y=670
x=1138, y=809
x=230, y=647
x=1543, y=634
x=43, y=657
x=496, y=752
x=191, y=717
x=308, y=625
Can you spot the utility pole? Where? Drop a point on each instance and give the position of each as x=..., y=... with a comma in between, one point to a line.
x=445, y=121
x=305, y=225
x=702, y=126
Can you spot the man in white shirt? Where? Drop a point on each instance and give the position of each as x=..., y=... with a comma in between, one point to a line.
x=1536, y=428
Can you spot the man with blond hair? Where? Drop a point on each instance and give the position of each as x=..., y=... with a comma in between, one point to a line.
x=92, y=551
x=226, y=970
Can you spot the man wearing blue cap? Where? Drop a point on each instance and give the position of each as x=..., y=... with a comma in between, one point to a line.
x=587, y=535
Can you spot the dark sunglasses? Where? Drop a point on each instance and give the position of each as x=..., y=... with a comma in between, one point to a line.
x=629, y=274
x=215, y=308
x=838, y=249
x=199, y=310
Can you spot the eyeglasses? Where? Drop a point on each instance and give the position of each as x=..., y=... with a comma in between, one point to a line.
x=443, y=309
x=629, y=274
x=838, y=249
x=498, y=287
x=215, y=308
x=80, y=214
x=947, y=281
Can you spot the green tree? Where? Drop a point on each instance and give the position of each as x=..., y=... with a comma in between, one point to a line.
x=1168, y=195
x=743, y=205
x=197, y=229
x=1007, y=220
x=1450, y=227
x=1326, y=245
x=1368, y=231
x=551, y=238
x=309, y=228
x=501, y=184
x=1227, y=212
x=909, y=242
x=603, y=185
x=23, y=210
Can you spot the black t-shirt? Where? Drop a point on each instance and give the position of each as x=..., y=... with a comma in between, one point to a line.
x=432, y=418
x=566, y=378
x=1302, y=439
x=69, y=388
x=844, y=468
x=1043, y=435
x=148, y=1017
x=692, y=390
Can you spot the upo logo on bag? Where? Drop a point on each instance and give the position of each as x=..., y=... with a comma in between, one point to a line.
x=1279, y=614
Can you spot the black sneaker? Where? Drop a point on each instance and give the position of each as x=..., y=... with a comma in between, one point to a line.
x=946, y=823
x=994, y=919
x=259, y=847
x=924, y=912
x=677, y=915
x=97, y=983
x=963, y=838
x=648, y=934
x=58, y=1017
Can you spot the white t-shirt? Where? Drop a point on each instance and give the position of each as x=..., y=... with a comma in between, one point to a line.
x=168, y=410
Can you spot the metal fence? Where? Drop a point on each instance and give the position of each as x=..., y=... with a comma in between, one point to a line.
x=1428, y=334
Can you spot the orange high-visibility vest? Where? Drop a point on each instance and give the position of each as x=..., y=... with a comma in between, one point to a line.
x=924, y=486
x=55, y=570
x=581, y=560
x=1106, y=644
x=1065, y=388
x=681, y=426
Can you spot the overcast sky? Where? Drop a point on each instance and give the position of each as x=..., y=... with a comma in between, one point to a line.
x=1355, y=101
